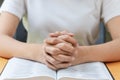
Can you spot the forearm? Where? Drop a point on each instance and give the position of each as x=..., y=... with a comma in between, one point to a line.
x=10, y=47
x=106, y=52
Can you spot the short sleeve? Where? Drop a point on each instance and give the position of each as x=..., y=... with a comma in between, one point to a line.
x=15, y=7
x=110, y=9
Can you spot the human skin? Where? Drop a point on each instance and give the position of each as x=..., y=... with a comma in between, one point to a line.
x=106, y=52
x=60, y=50
x=10, y=47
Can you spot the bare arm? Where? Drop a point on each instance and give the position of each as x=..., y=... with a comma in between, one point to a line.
x=106, y=52
x=10, y=47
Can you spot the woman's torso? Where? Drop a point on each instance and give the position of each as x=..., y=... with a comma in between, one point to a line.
x=80, y=17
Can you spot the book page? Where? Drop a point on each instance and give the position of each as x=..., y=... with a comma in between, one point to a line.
x=86, y=71
x=25, y=69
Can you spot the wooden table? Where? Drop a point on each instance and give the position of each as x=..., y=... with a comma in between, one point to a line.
x=3, y=62
x=113, y=67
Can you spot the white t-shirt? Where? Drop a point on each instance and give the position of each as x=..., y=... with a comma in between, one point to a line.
x=80, y=17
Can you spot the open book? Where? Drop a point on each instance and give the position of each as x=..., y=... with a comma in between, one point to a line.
x=21, y=69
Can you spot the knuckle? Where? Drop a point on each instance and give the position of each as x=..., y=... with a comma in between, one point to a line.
x=60, y=45
x=54, y=40
x=67, y=36
x=48, y=40
x=60, y=59
x=54, y=51
x=63, y=45
x=53, y=61
x=68, y=59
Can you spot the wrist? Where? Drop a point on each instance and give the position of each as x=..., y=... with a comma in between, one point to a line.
x=84, y=54
x=36, y=52
x=30, y=51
